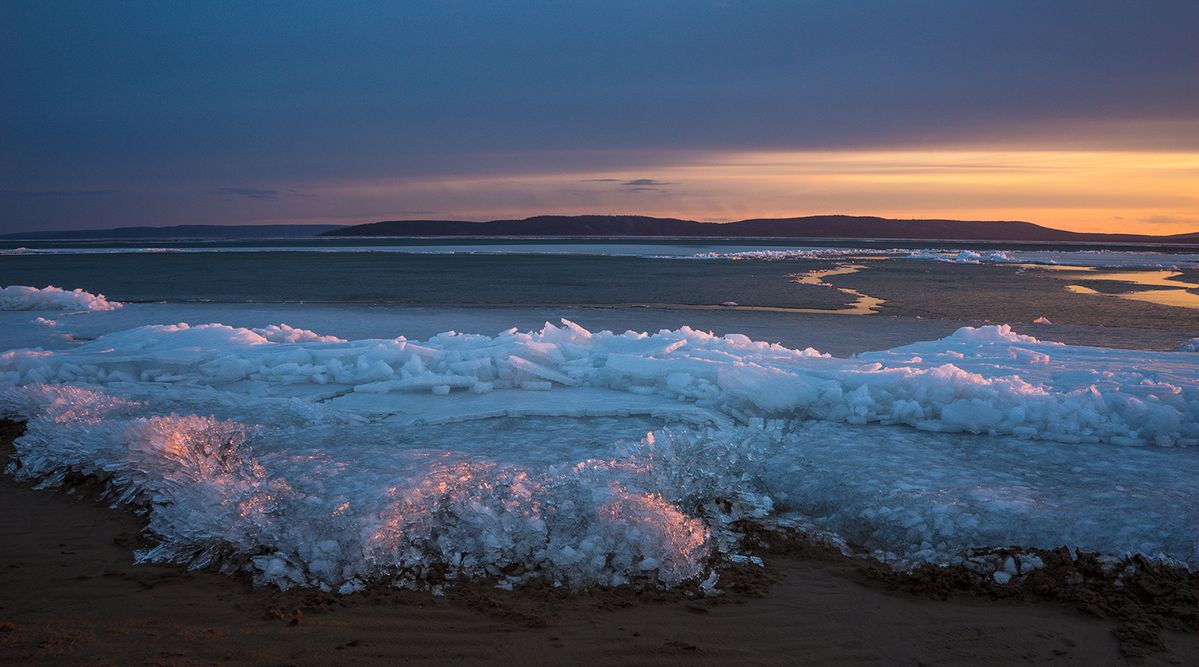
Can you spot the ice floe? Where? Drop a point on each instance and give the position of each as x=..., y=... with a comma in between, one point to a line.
x=24, y=297
x=982, y=253
x=967, y=256
x=979, y=380
x=1088, y=258
x=600, y=458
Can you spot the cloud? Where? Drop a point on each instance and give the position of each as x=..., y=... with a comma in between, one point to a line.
x=634, y=183
x=25, y=194
x=408, y=213
x=1168, y=220
x=252, y=193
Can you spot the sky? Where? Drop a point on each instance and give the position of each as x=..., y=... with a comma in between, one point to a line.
x=1079, y=115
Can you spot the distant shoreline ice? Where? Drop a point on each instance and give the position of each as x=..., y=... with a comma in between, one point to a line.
x=684, y=250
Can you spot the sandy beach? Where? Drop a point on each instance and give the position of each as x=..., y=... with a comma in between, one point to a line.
x=71, y=593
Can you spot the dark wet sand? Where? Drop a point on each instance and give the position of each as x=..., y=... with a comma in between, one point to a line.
x=69, y=593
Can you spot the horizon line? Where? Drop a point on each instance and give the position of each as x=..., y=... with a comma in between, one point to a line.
x=343, y=225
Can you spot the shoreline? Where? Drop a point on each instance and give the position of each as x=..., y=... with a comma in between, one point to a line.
x=72, y=592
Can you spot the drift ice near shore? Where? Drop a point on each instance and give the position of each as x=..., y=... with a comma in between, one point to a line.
x=23, y=297
x=985, y=380
x=1088, y=258
x=315, y=461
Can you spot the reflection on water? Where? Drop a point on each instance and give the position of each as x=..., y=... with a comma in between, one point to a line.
x=1176, y=293
x=816, y=277
x=1166, y=297
x=863, y=304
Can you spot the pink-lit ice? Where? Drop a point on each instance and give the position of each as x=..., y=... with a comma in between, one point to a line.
x=24, y=297
x=601, y=458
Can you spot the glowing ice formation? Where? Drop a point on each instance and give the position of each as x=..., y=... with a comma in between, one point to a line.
x=986, y=380
x=308, y=460
x=23, y=297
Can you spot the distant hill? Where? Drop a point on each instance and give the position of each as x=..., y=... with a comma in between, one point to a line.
x=180, y=232
x=541, y=225
x=815, y=226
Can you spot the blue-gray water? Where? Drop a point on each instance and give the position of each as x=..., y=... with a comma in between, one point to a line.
x=622, y=275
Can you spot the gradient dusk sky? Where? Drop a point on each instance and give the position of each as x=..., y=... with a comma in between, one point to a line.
x=1081, y=115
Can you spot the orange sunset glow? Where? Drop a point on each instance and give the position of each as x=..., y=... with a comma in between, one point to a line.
x=1148, y=192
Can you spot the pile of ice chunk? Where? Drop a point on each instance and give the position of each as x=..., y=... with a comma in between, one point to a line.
x=986, y=380
x=283, y=333
x=1092, y=258
x=336, y=513
x=934, y=254
x=786, y=254
x=968, y=256
x=308, y=460
x=24, y=297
